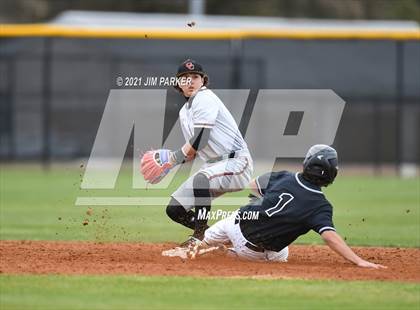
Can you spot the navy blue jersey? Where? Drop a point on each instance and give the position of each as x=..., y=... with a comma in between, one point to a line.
x=290, y=206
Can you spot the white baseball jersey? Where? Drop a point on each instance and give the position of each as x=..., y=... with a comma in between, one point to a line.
x=206, y=110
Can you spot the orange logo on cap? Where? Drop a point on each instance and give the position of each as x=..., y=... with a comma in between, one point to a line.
x=189, y=65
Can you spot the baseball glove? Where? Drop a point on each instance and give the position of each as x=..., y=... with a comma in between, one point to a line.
x=155, y=165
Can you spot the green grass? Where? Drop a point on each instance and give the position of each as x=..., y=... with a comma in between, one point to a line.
x=136, y=292
x=39, y=205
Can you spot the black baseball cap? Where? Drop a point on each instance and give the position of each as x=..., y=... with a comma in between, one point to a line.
x=190, y=66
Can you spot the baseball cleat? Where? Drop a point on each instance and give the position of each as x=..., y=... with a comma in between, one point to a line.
x=190, y=242
x=185, y=249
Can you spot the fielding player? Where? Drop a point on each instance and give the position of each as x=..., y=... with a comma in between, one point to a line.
x=288, y=206
x=211, y=133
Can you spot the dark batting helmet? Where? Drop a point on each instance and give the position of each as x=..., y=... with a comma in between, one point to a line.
x=320, y=166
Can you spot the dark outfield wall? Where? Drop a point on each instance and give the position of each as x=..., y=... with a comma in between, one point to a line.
x=379, y=80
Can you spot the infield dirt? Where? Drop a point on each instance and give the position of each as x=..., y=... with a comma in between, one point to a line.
x=305, y=262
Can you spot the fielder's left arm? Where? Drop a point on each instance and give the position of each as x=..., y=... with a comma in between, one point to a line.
x=155, y=165
x=189, y=150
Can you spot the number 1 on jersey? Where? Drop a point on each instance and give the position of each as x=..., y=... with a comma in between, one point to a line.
x=285, y=198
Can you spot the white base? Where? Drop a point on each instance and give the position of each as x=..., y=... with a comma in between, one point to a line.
x=408, y=170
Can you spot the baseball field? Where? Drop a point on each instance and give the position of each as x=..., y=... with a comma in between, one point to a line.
x=55, y=255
